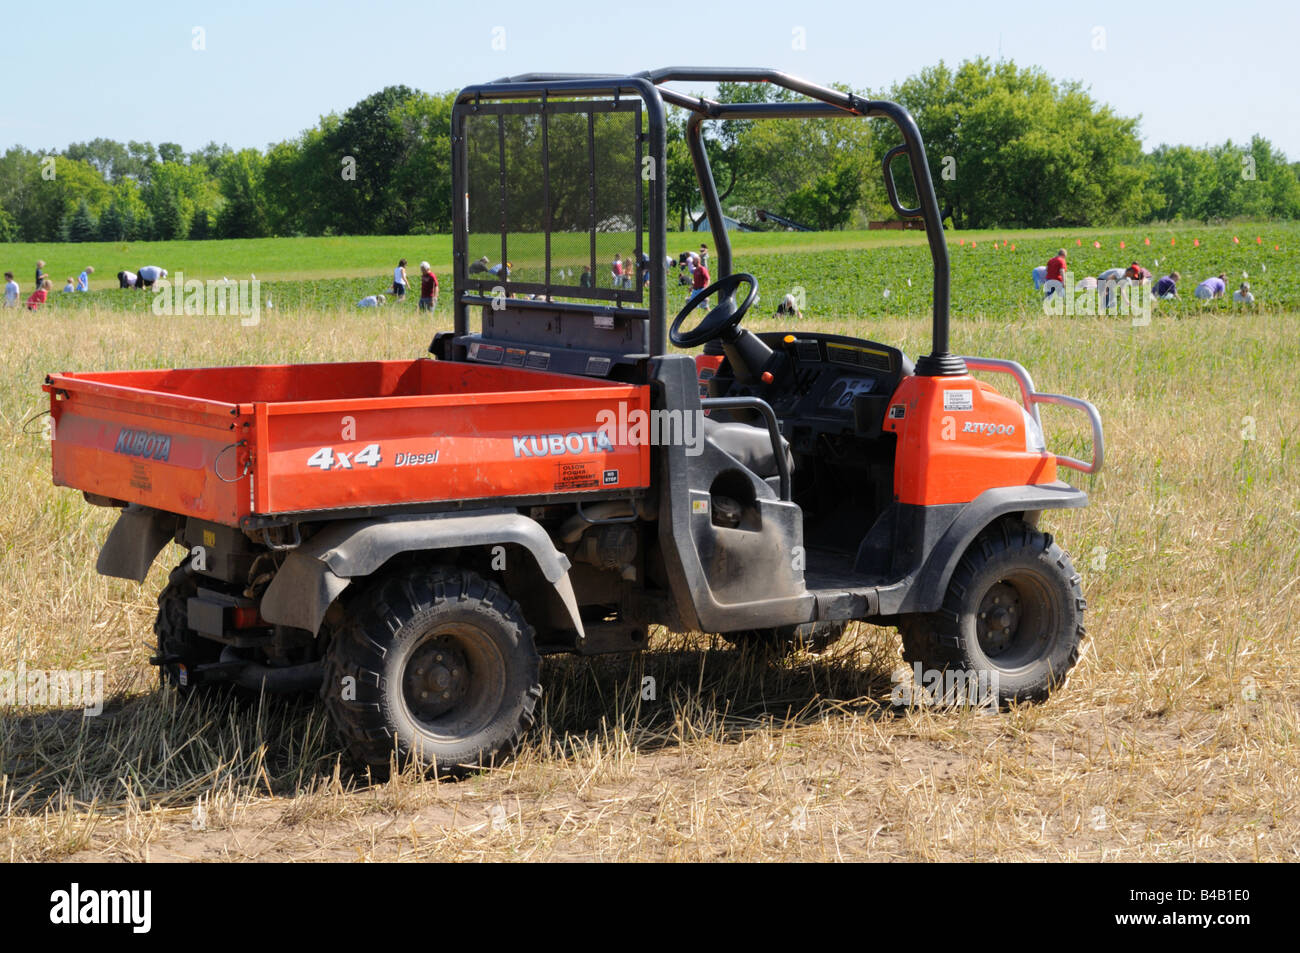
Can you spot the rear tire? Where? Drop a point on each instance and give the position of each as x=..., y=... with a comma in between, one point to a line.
x=436, y=665
x=1013, y=608
x=180, y=648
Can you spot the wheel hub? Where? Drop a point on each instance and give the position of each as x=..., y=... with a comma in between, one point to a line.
x=436, y=678
x=999, y=619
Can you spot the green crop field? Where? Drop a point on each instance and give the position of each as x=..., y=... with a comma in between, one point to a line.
x=850, y=273
x=1175, y=738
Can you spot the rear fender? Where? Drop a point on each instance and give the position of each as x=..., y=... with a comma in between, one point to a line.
x=315, y=573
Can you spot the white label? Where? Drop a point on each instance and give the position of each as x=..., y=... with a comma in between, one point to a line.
x=958, y=400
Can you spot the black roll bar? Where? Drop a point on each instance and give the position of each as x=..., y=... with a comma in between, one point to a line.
x=825, y=102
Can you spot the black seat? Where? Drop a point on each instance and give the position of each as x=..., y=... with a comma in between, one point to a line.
x=750, y=445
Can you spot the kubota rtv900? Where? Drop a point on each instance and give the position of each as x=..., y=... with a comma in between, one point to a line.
x=408, y=536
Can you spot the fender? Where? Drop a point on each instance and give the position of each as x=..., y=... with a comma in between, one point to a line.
x=924, y=591
x=316, y=572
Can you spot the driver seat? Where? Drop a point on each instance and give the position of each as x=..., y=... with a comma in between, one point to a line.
x=748, y=444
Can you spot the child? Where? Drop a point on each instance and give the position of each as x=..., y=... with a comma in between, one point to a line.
x=11, y=290
x=1242, y=295
x=371, y=301
x=399, y=279
x=40, y=294
x=70, y=286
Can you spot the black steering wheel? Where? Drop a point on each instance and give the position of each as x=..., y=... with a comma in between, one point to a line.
x=724, y=316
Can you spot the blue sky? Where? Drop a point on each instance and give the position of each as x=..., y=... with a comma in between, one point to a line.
x=1197, y=72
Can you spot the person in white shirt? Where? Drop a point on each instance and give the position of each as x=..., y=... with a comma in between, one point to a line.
x=149, y=274
x=126, y=279
x=371, y=301
x=11, y=290
x=399, y=279
x=1112, y=283
x=1242, y=295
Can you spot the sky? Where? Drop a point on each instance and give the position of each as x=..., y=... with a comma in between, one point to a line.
x=250, y=74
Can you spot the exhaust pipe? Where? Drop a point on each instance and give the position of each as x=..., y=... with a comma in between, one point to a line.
x=279, y=679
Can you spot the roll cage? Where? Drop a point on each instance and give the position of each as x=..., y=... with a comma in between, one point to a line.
x=650, y=87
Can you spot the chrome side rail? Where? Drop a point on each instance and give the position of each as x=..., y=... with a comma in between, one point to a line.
x=1032, y=398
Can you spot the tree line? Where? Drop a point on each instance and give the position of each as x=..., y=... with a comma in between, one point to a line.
x=1007, y=146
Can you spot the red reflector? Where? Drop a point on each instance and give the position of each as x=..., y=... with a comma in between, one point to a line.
x=767, y=377
x=247, y=618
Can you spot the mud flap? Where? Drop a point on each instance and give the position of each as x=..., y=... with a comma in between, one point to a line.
x=133, y=544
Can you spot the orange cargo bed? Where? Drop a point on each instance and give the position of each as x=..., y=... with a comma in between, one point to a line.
x=227, y=443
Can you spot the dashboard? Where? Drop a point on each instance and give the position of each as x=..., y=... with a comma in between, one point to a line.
x=823, y=383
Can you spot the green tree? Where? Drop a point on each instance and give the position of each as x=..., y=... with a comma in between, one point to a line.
x=242, y=215
x=81, y=225
x=1009, y=146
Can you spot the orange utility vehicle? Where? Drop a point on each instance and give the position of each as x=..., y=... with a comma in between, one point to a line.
x=406, y=537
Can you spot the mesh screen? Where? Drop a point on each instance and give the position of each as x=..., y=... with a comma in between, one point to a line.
x=557, y=196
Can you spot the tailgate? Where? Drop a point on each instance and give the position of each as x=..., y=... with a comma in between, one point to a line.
x=168, y=451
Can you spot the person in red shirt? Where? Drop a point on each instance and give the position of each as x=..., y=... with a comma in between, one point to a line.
x=39, y=295
x=700, y=277
x=1137, y=273
x=1055, y=272
x=428, y=287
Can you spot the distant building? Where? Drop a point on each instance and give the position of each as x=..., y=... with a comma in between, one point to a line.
x=731, y=224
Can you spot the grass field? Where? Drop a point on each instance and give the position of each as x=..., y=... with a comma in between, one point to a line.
x=1175, y=739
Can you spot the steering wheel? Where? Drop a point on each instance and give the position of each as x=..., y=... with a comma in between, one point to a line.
x=724, y=316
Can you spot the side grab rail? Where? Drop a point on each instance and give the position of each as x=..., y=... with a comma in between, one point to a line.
x=773, y=430
x=1032, y=398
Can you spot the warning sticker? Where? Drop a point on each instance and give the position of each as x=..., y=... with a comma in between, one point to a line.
x=142, y=476
x=699, y=506
x=958, y=400
x=576, y=476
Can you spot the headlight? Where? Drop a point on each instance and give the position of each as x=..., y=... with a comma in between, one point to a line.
x=1034, y=442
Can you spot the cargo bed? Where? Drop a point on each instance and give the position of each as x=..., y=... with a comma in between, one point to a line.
x=231, y=444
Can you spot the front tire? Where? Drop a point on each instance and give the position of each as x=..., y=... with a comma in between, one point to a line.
x=1013, y=610
x=436, y=665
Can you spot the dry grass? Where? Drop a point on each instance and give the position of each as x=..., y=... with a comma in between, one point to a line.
x=1175, y=739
